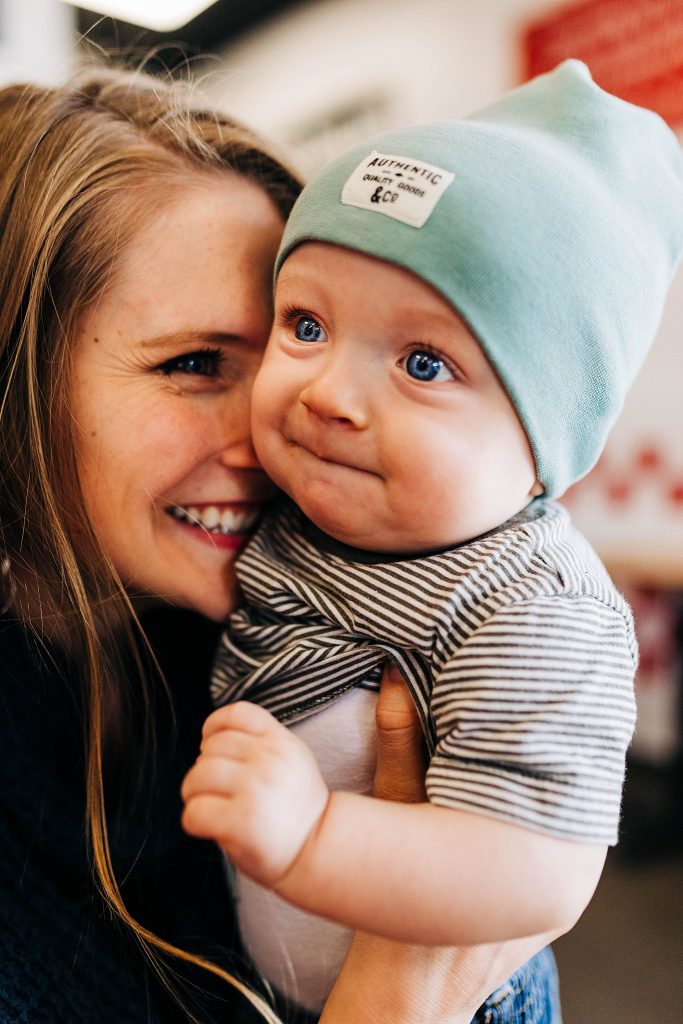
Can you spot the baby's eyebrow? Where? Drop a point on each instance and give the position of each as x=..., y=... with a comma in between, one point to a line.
x=161, y=341
x=304, y=278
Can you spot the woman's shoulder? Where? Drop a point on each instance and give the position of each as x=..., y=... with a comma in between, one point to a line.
x=56, y=938
x=46, y=905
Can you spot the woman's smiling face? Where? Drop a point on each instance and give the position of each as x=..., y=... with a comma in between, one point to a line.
x=162, y=375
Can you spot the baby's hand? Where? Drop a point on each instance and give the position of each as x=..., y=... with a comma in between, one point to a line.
x=255, y=789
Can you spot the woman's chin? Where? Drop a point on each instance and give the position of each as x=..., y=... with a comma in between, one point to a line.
x=193, y=574
x=215, y=601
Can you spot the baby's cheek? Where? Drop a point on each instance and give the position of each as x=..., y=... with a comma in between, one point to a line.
x=273, y=453
x=263, y=411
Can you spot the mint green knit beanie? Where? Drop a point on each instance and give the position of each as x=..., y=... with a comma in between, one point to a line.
x=551, y=220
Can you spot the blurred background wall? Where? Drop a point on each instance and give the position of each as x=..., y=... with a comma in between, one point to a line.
x=317, y=76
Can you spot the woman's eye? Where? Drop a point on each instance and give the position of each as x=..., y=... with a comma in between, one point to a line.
x=203, y=363
x=308, y=329
x=426, y=366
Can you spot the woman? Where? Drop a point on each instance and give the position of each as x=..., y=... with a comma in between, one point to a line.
x=138, y=241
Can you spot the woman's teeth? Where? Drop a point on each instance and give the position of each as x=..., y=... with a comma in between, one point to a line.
x=212, y=519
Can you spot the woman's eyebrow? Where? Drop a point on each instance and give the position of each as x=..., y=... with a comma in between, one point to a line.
x=190, y=337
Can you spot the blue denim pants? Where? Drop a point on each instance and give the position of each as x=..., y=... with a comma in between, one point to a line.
x=530, y=996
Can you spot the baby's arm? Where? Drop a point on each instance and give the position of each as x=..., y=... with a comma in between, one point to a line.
x=417, y=873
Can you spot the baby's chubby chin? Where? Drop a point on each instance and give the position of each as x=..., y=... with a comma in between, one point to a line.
x=343, y=503
x=398, y=527
x=359, y=522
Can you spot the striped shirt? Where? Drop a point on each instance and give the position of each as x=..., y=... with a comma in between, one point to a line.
x=518, y=651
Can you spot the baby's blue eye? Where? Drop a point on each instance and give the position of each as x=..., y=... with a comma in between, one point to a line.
x=425, y=366
x=308, y=329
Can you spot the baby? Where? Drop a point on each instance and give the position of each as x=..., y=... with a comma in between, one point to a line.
x=459, y=310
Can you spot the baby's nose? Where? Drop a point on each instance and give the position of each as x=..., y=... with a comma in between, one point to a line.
x=337, y=395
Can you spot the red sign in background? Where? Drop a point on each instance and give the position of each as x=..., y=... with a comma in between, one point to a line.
x=620, y=484
x=634, y=48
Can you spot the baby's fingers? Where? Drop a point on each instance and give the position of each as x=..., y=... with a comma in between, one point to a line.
x=208, y=816
x=242, y=716
x=217, y=776
x=239, y=746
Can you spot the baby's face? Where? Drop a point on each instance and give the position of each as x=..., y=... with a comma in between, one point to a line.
x=379, y=414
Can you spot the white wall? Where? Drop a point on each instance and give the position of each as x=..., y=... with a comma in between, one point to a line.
x=401, y=60
x=36, y=40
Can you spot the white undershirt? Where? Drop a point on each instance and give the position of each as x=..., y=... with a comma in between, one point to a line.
x=301, y=955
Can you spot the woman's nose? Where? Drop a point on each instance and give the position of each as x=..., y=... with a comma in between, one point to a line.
x=337, y=394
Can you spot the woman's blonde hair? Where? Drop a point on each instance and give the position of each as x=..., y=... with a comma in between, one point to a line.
x=83, y=166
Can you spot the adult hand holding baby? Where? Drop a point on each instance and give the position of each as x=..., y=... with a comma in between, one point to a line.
x=384, y=981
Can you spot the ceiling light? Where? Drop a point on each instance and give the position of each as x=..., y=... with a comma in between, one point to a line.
x=160, y=15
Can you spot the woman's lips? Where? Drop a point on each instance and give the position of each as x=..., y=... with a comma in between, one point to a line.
x=222, y=525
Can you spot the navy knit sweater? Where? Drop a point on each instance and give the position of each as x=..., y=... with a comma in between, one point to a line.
x=62, y=957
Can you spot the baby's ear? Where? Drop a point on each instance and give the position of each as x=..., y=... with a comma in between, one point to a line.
x=537, y=489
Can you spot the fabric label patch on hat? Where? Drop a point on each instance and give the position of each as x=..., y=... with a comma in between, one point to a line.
x=399, y=186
